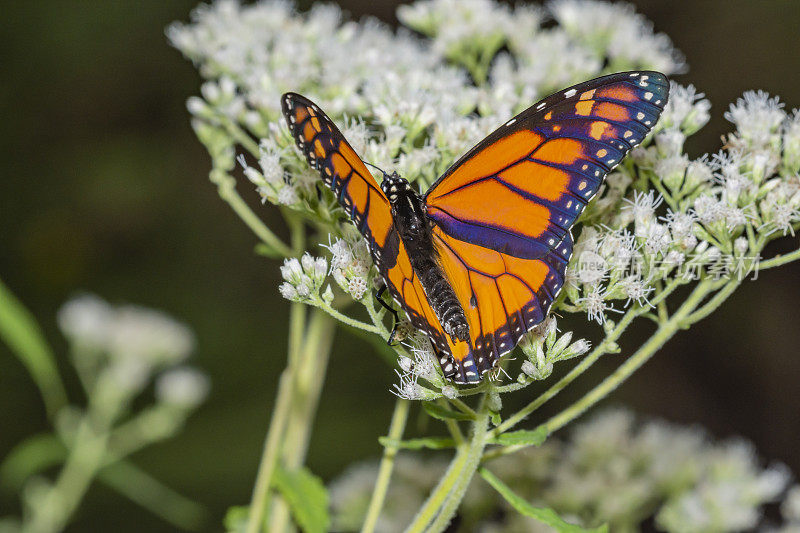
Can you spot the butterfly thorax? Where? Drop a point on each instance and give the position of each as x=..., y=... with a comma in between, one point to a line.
x=414, y=228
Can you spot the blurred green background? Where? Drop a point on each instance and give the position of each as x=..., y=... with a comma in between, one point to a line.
x=104, y=189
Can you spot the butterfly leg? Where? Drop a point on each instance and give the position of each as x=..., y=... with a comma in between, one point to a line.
x=379, y=297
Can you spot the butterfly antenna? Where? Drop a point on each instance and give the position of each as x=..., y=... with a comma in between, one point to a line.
x=377, y=168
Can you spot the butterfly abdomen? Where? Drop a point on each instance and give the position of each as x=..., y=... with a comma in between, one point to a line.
x=441, y=297
x=414, y=229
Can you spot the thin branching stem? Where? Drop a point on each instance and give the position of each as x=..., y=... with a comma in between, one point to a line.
x=226, y=188
x=396, y=427
x=260, y=499
x=642, y=355
x=779, y=260
x=473, y=454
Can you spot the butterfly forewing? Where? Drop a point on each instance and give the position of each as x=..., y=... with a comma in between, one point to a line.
x=341, y=169
x=543, y=166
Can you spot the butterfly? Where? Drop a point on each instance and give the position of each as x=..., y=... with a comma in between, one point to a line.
x=477, y=261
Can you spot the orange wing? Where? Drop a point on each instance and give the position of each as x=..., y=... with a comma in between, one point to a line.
x=341, y=169
x=502, y=214
x=521, y=188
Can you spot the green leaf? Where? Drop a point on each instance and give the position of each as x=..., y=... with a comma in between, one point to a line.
x=431, y=443
x=20, y=331
x=442, y=413
x=307, y=498
x=30, y=457
x=522, y=437
x=542, y=514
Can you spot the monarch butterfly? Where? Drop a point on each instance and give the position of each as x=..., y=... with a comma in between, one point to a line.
x=477, y=261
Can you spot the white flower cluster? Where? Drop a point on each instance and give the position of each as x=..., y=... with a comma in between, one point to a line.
x=663, y=217
x=415, y=94
x=414, y=104
x=303, y=278
x=611, y=470
x=123, y=347
x=422, y=364
x=543, y=347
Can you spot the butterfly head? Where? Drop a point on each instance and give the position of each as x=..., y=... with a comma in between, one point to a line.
x=408, y=210
x=395, y=187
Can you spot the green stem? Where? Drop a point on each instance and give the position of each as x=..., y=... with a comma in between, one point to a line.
x=463, y=407
x=396, y=427
x=779, y=260
x=309, y=379
x=280, y=414
x=443, y=502
x=154, y=496
x=352, y=322
x=87, y=453
x=241, y=136
x=600, y=350
x=643, y=354
x=226, y=188
x=710, y=306
x=579, y=369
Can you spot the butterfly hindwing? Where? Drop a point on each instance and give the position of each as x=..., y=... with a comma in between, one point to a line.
x=503, y=297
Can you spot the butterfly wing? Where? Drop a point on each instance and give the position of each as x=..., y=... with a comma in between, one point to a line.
x=534, y=175
x=502, y=296
x=502, y=213
x=343, y=171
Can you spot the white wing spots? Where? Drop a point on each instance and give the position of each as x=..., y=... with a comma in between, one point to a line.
x=643, y=84
x=510, y=122
x=570, y=93
x=639, y=115
x=449, y=367
x=648, y=95
x=541, y=105
x=634, y=74
x=627, y=134
x=582, y=185
x=647, y=122
x=645, y=78
x=552, y=241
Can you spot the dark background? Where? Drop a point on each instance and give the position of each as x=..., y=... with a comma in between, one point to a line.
x=104, y=188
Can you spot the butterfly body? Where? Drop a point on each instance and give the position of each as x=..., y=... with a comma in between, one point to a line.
x=478, y=260
x=414, y=229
